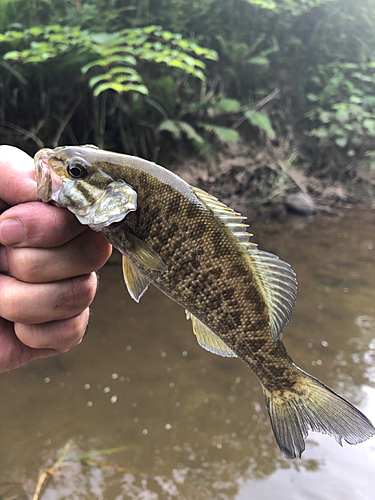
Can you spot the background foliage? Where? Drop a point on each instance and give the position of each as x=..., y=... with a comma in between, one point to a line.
x=145, y=76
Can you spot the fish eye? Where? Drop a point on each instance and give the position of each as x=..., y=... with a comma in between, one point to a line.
x=77, y=170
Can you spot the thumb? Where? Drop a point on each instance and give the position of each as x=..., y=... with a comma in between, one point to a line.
x=17, y=175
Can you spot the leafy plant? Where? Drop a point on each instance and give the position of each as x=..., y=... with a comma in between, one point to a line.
x=201, y=121
x=113, y=55
x=343, y=109
x=119, y=63
x=138, y=76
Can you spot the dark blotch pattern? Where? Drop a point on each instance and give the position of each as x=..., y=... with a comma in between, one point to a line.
x=209, y=273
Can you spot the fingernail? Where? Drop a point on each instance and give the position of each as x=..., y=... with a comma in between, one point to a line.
x=11, y=232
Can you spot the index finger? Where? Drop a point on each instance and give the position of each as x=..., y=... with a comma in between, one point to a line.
x=42, y=225
x=17, y=172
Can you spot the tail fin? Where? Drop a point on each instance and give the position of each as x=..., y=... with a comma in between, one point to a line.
x=313, y=406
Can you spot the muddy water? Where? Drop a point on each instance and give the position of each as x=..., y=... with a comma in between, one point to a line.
x=193, y=425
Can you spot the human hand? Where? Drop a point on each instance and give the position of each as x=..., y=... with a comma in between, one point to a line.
x=47, y=268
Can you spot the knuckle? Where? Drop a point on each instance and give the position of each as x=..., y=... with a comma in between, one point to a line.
x=82, y=291
x=97, y=249
x=28, y=335
x=104, y=250
x=69, y=333
x=57, y=335
x=12, y=354
x=22, y=266
x=79, y=326
x=11, y=303
x=76, y=328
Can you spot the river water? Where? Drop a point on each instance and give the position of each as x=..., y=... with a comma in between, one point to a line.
x=191, y=425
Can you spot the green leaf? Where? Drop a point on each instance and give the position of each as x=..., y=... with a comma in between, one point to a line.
x=369, y=124
x=40, y=58
x=96, y=79
x=261, y=121
x=184, y=44
x=167, y=35
x=224, y=134
x=55, y=28
x=341, y=141
x=92, y=64
x=171, y=127
x=102, y=38
x=361, y=76
x=124, y=70
x=108, y=86
x=127, y=78
x=141, y=89
x=13, y=55
x=355, y=99
x=259, y=61
x=342, y=114
x=15, y=35
x=191, y=133
x=58, y=37
x=173, y=62
x=107, y=61
x=35, y=31
x=264, y=4
x=150, y=29
x=198, y=74
x=228, y=105
x=120, y=88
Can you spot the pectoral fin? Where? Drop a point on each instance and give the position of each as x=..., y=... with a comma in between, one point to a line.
x=144, y=255
x=208, y=339
x=136, y=282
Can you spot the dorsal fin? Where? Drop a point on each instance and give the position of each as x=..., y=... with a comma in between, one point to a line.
x=278, y=280
x=233, y=220
x=208, y=339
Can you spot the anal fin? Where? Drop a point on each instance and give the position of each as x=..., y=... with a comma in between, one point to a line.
x=208, y=339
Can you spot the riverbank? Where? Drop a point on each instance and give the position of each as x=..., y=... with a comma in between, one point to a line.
x=258, y=180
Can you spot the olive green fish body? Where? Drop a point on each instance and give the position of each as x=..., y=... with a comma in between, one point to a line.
x=197, y=251
x=209, y=273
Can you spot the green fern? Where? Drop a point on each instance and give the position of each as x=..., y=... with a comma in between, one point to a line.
x=170, y=126
x=178, y=127
x=260, y=120
x=224, y=134
x=114, y=56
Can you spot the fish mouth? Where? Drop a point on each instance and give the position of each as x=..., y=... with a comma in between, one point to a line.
x=48, y=186
x=103, y=207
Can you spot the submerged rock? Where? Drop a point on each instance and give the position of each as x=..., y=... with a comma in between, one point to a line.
x=301, y=203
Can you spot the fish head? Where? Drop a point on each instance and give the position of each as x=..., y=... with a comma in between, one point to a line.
x=72, y=177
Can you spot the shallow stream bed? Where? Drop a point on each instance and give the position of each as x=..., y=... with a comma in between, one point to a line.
x=191, y=425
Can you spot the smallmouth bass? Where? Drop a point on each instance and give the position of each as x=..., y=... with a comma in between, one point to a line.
x=197, y=251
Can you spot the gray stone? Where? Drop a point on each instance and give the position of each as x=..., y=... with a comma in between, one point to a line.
x=301, y=203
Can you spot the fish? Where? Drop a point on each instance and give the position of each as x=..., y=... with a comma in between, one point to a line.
x=198, y=252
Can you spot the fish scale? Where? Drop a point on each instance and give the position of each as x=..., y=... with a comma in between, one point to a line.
x=197, y=251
